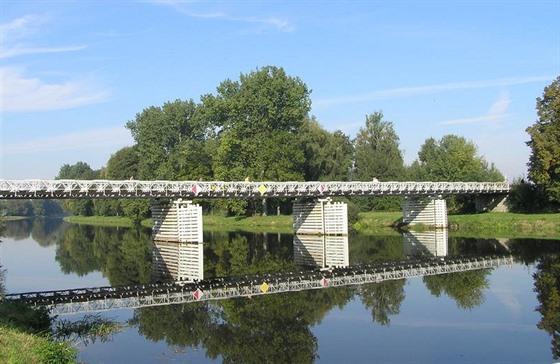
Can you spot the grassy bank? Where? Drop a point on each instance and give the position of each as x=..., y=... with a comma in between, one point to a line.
x=17, y=346
x=504, y=225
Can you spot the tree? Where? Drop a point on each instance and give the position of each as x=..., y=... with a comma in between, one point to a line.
x=79, y=170
x=377, y=153
x=377, y=157
x=258, y=118
x=466, y=288
x=544, y=161
x=158, y=131
x=256, y=121
x=547, y=287
x=453, y=158
x=328, y=156
x=123, y=164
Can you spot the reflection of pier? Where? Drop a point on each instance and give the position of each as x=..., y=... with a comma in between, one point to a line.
x=111, y=298
x=321, y=251
x=178, y=261
x=433, y=243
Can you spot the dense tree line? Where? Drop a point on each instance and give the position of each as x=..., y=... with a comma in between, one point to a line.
x=259, y=128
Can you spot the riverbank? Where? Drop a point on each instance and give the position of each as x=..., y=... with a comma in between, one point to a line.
x=17, y=346
x=484, y=225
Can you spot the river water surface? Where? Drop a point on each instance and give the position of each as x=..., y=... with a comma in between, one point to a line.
x=480, y=316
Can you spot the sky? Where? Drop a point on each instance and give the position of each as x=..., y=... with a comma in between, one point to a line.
x=72, y=73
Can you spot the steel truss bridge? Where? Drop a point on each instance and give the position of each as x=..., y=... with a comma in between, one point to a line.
x=61, y=189
x=129, y=297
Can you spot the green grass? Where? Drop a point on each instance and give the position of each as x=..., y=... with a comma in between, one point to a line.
x=506, y=225
x=20, y=347
x=271, y=223
x=483, y=225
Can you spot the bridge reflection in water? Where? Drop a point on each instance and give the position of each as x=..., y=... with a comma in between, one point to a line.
x=182, y=262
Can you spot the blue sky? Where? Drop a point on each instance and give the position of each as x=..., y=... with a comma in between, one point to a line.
x=72, y=73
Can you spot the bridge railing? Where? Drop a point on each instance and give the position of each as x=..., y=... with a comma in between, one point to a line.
x=10, y=189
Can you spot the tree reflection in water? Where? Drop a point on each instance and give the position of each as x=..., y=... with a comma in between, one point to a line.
x=277, y=328
x=547, y=287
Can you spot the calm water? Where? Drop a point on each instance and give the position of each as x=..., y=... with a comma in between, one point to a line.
x=479, y=316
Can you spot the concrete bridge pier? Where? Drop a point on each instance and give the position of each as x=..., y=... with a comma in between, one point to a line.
x=177, y=221
x=320, y=217
x=430, y=211
x=491, y=203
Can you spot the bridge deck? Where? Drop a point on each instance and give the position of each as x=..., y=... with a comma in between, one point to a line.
x=111, y=298
x=60, y=189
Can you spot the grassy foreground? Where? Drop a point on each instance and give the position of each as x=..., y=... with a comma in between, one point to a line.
x=490, y=225
x=19, y=347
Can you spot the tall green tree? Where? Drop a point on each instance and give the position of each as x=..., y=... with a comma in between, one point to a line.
x=328, y=156
x=159, y=131
x=123, y=164
x=377, y=153
x=258, y=118
x=453, y=158
x=544, y=161
x=377, y=157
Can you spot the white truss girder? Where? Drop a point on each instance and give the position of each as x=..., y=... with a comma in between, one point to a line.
x=111, y=298
x=10, y=189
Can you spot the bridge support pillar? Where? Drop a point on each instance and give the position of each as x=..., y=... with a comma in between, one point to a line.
x=321, y=217
x=492, y=203
x=323, y=251
x=431, y=212
x=176, y=220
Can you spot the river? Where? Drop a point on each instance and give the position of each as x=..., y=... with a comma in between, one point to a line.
x=485, y=315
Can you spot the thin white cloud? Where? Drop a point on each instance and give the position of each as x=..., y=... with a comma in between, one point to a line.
x=427, y=89
x=496, y=113
x=20, y=27
x=21, y=51
x=21, y=93
x=507, y=297
x=184, y=7
x=115, y=137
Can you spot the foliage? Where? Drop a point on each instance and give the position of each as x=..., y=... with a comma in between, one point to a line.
x=328, y=156
x=122, y=255
x=258, y=118
x=87, y=329
x=453, y=158
x=79, y=170
x=526, y=197
x=82, y=171
x=24, y=318
x=466, y=288
x=159, y=132
x=383, y=299
x=547, y=287
x=123, y=164
x=377, y=153
x=544, y=161
x=21, y=347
